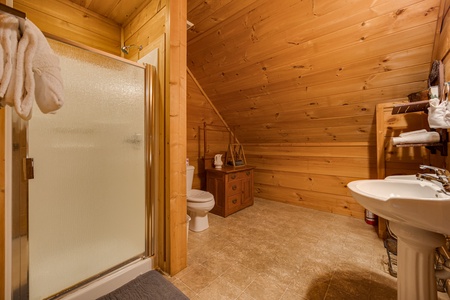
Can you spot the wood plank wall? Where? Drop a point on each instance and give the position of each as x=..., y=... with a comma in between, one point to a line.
x=67, y=20
x=312, y=175
x=176, y=139
x=199, y=112
x=148, y=25
x=302, y=103
x=442, y=45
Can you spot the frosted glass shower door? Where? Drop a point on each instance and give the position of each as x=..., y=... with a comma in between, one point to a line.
x=87, y=198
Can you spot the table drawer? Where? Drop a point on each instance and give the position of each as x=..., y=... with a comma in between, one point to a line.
x=233, y=203
x=234, y=187
x=236, y=176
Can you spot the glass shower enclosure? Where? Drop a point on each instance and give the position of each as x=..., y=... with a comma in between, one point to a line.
x=89, y=209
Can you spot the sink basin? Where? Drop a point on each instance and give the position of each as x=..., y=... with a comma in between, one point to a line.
x=413, y=202
x=411, y=177
x=402, y=177
x=419, y=215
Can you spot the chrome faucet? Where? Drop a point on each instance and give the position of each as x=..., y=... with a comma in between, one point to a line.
x=440, y=175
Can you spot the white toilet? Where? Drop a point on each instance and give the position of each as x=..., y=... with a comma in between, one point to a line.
x=199, y=203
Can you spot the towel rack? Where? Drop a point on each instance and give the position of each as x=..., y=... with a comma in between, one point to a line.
x=12, y=11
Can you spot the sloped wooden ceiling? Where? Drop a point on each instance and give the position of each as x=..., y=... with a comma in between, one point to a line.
x=309, y=70
x=120, y=11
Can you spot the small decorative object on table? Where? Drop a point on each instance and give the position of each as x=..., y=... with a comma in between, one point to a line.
x=235, y=155
x=218, y=161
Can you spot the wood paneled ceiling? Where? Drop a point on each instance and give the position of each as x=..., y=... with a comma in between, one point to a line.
x=309, y=70
x=120, y=11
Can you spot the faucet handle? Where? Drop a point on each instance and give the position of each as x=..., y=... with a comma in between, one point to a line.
x=437, y=171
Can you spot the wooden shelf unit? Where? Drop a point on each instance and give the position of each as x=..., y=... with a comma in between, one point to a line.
x=422, y=106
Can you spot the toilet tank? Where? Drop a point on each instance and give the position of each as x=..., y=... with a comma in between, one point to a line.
x=189, y=177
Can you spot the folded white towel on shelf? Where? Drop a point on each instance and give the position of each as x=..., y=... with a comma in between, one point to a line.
x=9, y=36
x=38, y=76
x=413, y=132
x=418, y=138
x=438, y=114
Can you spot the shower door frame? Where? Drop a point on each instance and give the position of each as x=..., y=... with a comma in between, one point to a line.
x=18, y=197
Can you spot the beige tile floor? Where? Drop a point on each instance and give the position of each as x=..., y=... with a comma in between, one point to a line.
x=278, y=251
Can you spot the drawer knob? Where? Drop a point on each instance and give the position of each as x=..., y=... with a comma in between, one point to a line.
x=234, y=187
x=233, y=176
x=248, y=173
x=234, y=201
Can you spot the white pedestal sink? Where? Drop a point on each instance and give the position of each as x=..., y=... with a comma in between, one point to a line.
x=419, y=214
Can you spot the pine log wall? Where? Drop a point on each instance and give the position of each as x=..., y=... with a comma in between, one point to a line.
x=299, y=83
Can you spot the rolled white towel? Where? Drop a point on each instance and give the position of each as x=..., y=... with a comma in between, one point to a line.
x=413, y=132
x=426, y=137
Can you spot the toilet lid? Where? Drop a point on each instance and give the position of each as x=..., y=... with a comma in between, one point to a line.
x=199, y=196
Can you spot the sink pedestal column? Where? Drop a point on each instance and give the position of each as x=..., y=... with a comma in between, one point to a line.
x=415, y=262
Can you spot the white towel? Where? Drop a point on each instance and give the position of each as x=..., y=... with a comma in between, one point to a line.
x=9, y=95
x=38, y=76
x=438, y=114
x=47, y=74
x=426, y=137
x=9, y=36
x=25, y=84
x=413, y=132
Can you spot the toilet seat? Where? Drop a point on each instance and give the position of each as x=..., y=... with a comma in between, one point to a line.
x=199, y=196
